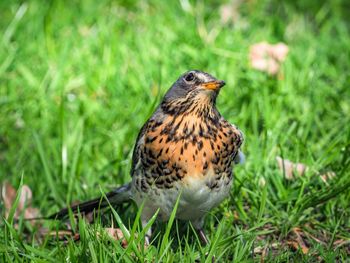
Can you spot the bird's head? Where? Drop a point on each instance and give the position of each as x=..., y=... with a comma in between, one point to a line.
x=192, y=90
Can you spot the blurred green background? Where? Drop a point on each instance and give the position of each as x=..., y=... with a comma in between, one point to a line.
x=79, y=78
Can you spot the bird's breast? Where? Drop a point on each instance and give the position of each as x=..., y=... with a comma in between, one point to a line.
x=184, y=147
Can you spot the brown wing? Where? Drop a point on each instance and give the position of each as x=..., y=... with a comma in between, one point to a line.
x=154, y=121
x=136, y=151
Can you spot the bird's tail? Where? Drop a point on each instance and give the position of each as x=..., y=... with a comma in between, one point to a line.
x=116, y=197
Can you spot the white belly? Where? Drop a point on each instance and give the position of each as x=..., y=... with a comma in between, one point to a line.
x=196, y=199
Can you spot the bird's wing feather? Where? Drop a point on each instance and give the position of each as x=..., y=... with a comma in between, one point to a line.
x=158, y=115
x=136, y=153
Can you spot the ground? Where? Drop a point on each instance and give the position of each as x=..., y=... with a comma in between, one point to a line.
x=78, y=80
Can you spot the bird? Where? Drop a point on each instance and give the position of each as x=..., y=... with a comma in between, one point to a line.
x=185, y=153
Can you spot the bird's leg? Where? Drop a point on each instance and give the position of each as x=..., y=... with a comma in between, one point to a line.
x=148, y=234
x=198, y=226
x=202, y=236
x=204, y=240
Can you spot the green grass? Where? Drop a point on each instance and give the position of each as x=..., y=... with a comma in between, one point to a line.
x=78, y=80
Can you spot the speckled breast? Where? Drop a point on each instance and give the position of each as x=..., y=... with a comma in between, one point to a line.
x=184, y=148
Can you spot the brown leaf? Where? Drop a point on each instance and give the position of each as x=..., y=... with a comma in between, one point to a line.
x=300, y=240
x=59, y=233
x=267, y=57
x=327, y=176
x=262, y=249
x=315, y=238
x=279, y=51
x=229, y=12
x=289, y=168
x=31, y=212
x=117, y=234
x=293, y=244
x=341, y=242
x=8, y=194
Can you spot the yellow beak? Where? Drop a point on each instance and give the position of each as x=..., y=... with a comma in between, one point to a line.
x=214, y=85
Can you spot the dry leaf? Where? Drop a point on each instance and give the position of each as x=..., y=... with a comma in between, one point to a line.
x=59, y=233
x=62, y=235
x=8, y=194
x=279, y=51
x=327, y=176
x=229, y=12
x=300, y=240
x=260, y=249
x=267, y=57
x=293, y=244
x=289, y=168
x=341, y=242
x=117, y=234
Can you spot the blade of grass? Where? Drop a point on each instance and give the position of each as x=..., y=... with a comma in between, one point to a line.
x=165, y=245
x=47, y=172
x=15, y=204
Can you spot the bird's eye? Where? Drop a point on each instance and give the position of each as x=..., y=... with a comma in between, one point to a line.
x=189, y=77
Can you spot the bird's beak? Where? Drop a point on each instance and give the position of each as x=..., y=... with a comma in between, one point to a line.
x=214, y=85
